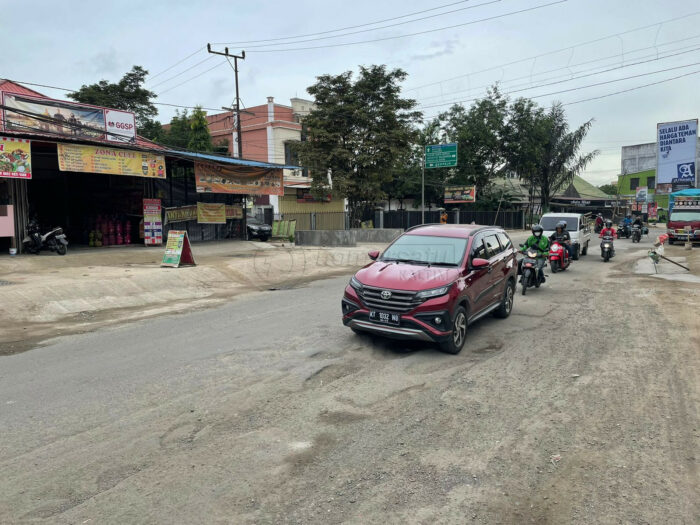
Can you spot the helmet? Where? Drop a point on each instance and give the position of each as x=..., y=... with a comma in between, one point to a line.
x=608, y=223
x=561, y=224
x=600, y=214
x=537, y=230
x=629, y=215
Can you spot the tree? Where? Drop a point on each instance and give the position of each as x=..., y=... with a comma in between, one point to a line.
x=610, y=189
x=560, y=160
x=200, y=139
x=359, y=135
x=178, y=133
x=128, y=94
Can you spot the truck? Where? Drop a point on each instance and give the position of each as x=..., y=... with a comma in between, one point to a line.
x=577, y=226
x=683, y=222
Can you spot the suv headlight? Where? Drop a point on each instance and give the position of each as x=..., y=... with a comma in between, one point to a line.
x=357, y=285
x=435, y=292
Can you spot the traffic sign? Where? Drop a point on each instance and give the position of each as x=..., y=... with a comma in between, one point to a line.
x=441, y=156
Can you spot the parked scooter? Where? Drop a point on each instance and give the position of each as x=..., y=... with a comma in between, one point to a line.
x=558, y=257
x=529, y=268
x=607, y=249
x=54, y=240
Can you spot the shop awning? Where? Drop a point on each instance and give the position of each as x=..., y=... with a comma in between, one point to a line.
x=207, y=157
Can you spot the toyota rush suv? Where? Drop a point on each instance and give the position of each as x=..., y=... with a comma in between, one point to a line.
x=432, y=282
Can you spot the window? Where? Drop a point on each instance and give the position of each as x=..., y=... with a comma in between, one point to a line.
x=651, y=182
x=549, y=222
x=492, y=246
x=290, y=156
x=634, y=183
x=505, y=241
x=478, y=248
x=424, y=249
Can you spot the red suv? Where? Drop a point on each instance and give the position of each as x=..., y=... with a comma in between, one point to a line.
x=431, y=282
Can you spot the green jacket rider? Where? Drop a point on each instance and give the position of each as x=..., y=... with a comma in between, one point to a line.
x=538, y=240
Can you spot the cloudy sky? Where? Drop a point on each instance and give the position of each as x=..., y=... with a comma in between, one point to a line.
x=565, y=50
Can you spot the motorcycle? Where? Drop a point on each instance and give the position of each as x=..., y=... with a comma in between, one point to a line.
x=558, y=257
x=598, y=227
x=607, y=249
x=54, y=240
x=636, y=233
x=530, y=274
x=623, y=230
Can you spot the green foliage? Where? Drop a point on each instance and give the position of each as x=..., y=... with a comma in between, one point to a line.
x=199, y=139
x=610, y=189
x=178, y=134
x=361, y=133
x=221, y=146
x=127, y=94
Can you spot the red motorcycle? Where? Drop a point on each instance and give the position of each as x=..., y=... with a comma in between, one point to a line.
x=558, y=257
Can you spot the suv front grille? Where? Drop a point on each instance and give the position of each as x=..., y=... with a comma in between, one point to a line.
x=400, y=301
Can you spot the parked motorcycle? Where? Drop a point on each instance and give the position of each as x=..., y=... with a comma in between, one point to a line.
x=607, y=249
x=54, y=240
x=558, y=257
x=636, y=233
x=530, y=275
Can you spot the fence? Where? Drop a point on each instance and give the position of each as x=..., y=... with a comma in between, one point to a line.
x=405, y=219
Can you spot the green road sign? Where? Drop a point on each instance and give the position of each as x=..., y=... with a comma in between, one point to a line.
x=441, y=156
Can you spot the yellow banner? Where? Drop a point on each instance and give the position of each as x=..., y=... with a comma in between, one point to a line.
x=211, y=213
x=189, y=213
x=98, y=159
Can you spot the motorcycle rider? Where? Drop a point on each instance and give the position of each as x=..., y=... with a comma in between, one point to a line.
x=562, y=237
x=637, y=221
x=541, y=243
x=599, y=222
x=608, y=230
x=627, y=223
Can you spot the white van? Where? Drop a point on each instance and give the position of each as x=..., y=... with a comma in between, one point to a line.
x=576, y=225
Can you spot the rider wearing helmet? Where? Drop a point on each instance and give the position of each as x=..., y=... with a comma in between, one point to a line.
x=540, y=242
x=562, y=237
x=608, y=230
x=599, y=222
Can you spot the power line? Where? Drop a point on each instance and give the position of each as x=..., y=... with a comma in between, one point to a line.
x=192, y=78
x=495, y=17
x=182, y=72
x=375, y=28
x=568, y=48
x=343, y=28
x=568, y=79
x=176, y=64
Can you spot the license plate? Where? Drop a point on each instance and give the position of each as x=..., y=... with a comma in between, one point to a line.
x=384, y=317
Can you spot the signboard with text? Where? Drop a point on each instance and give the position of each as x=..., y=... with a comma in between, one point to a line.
x=459, y=194
x=211, y=213
x=15, y=158
x=177, y=250
x=441, y=156
x=99, y=159
x=676, y=155
x=246, y=180
x=641, y=194
x=152, y=222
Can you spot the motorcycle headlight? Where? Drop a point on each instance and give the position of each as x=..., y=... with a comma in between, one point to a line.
x=606, y=245
x=355, y=284
x=435, y=292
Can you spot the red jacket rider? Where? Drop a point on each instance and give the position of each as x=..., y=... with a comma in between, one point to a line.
x=608, y=231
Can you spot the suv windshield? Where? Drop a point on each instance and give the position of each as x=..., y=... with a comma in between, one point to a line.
x=425, y=249
x=550, y=223
x=685, y=216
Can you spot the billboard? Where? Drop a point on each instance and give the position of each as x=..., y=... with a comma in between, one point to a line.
x=15, y=158
x=676, y=155
x=460, y=194
x=217, y=178
x=28, y=114
x=113, y=161
x=642, y=194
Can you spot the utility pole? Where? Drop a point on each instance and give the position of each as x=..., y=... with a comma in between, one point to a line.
x=422, y=189
x=238, y=150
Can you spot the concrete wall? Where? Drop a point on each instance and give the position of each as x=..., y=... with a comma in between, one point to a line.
x=345, y=237
x=638, y=158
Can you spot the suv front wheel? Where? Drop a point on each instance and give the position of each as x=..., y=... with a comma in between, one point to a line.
x=455, y=343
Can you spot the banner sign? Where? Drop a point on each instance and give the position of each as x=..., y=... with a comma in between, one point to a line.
x=440, y=155
x=642, y=194
x=653, y=210
x=234, y=212
x=686, y=202
x=15, y=158
x=152, y=222
x=57, y=117
x=211, y=213
x=189, y=213
x=217, y=178
x=460, y=194
x=177, y=250
x=675, y=157
x=98, y=159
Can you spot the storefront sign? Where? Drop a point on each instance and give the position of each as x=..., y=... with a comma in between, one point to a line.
x=581, y=203
x=182, y=214
x=98, y=159
x=234, y=212
x=211, y=213
x=152, y=222
x=676, y=142
x=217, y=178
x=57, y=117
x=641, y=194
x=178, y=250
x=15, y=158
x=460, y=194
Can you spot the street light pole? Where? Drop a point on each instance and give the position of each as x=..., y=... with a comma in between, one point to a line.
x=422, y=189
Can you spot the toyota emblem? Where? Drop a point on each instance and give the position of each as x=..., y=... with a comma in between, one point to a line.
x=386, y=295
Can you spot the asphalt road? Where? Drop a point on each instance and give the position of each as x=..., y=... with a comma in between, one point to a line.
x=581, y=407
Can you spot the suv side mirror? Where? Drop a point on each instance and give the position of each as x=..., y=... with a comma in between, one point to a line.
x=373, y=254
x=478, y=263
